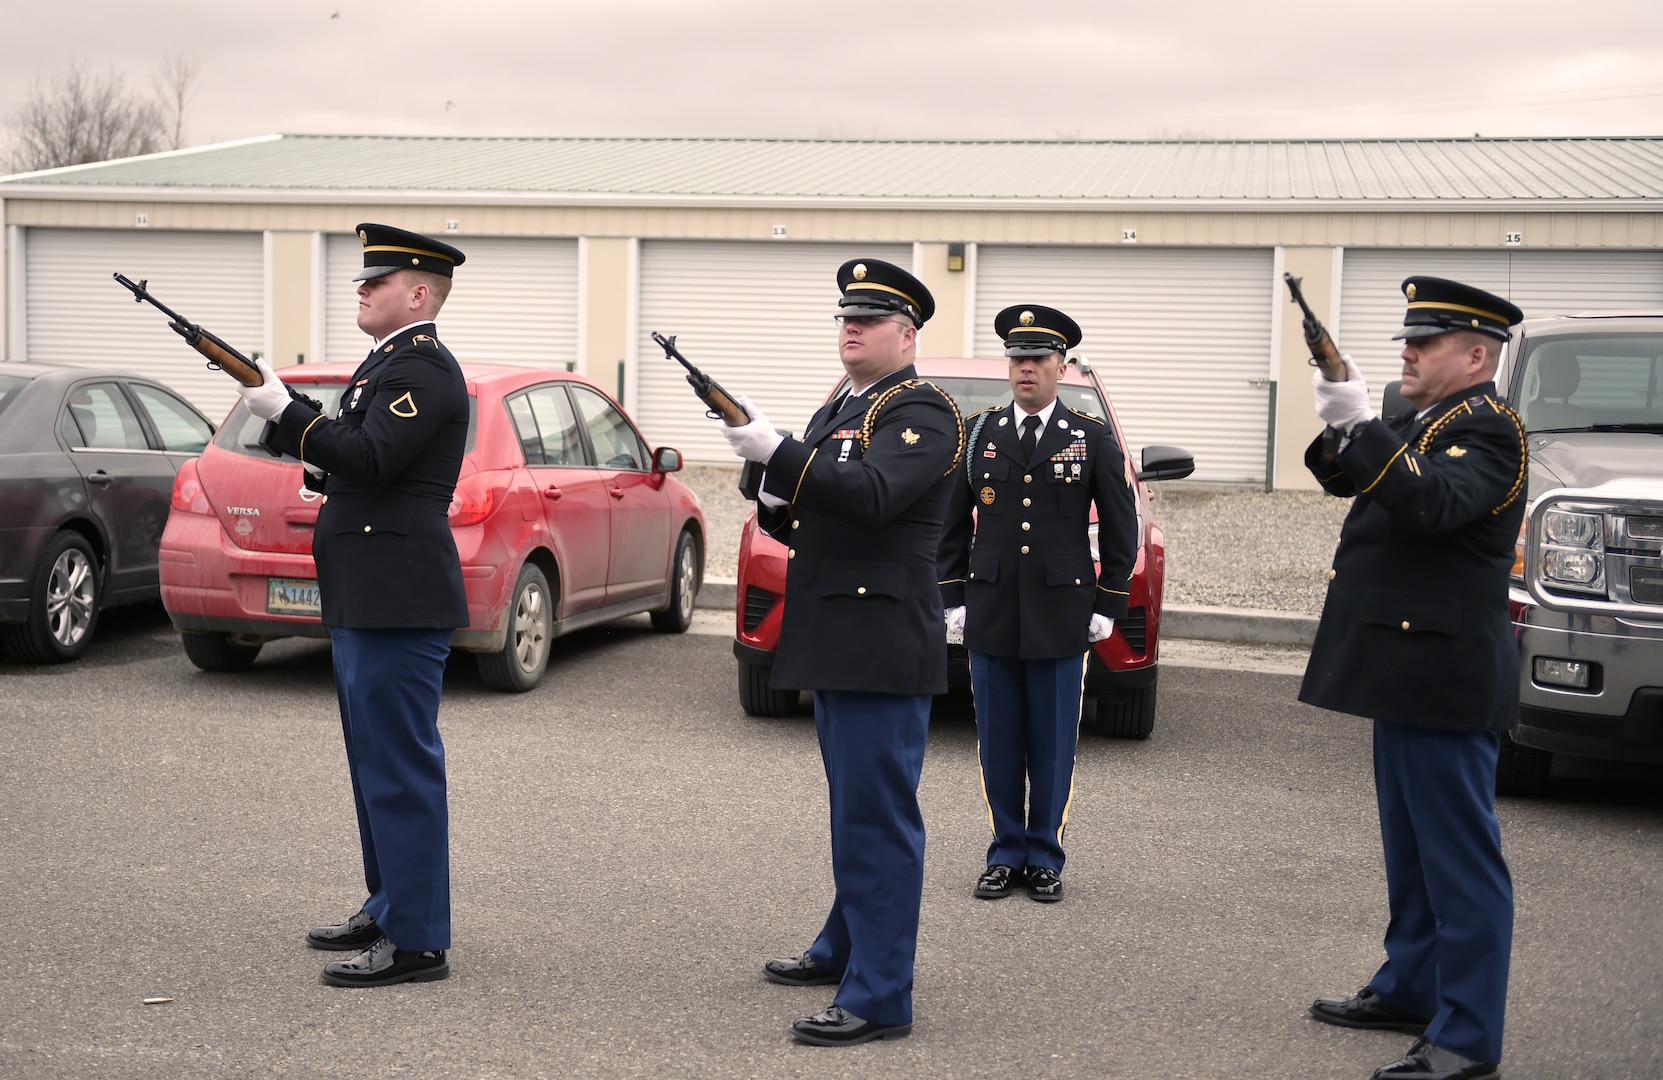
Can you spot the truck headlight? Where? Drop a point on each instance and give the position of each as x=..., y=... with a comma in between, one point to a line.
x=1573, y=550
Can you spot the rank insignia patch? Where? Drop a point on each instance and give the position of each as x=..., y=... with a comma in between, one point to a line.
x=986, y=496
x=910, y=437
x=1456, y=451
x=407, y=411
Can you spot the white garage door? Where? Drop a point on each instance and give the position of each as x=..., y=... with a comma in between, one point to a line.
x=1180, y=338
x=1540, y=282
x=756, y=317
x=75, y=313
x=514, y=302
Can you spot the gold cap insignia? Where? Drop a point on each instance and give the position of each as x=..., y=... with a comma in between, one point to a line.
x=363, y=236
x=1456, y=451
x=1409, y=290
x=409, y=404
x=1026, y=318
x=1475, y=323
x=910, y=437
x=987, y=496
x=415, y=261
x=860, y=271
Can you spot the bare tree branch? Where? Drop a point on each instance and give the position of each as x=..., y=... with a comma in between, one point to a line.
x=81, y=117
x=175, y=86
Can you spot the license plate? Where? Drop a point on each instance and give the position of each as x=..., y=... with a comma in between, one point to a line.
x=292, y=596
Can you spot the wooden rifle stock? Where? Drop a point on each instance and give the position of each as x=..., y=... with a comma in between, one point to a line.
x=718, y=400
x=218, y=353
x=1325, y=355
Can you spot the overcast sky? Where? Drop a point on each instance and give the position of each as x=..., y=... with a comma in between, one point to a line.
x=873, y=69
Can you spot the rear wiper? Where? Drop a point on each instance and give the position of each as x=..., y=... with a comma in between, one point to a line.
x=1653, y=426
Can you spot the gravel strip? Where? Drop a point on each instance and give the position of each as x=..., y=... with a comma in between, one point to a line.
x=1226, y=545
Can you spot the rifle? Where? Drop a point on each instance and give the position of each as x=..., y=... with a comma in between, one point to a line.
x=722, y=405
x=1324, y=353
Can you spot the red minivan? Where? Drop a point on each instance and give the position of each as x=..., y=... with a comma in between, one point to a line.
x=563, y=518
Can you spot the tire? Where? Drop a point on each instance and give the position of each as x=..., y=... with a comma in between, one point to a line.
x=757, y=698
x=519, y=665
x=217, y=652
x=64, y=597
x=1131, y=717
x=1522, y=770
x=684, y=588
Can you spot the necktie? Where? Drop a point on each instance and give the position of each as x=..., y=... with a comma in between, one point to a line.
x=1030, y=424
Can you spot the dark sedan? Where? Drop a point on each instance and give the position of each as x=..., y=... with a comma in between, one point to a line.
x=87, y=461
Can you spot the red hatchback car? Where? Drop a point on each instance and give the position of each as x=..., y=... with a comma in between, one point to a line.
x=562, y=516
x=1122, y=675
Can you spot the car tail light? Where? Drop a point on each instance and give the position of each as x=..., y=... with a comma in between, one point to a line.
x=478, y=495
x=187, y=491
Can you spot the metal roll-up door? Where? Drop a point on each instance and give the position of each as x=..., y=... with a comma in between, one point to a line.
x=75, y=313
x=1540, y=282
x=1180, y=338
x=756, y=317
x=514, y=302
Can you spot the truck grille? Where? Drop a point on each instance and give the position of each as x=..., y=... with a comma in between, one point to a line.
x=1645, y=583
x=758, y=603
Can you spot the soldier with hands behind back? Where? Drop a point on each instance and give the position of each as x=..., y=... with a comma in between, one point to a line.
x=1415, y=635
x=858, y=501
x=1018, y=582
x=390, y=583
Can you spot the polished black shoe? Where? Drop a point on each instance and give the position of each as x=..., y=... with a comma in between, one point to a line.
x=1044, y=885
x=1427, y=1062
x=354, y=935
x=798, y=971
x=1364, y=1009
x=996, y=882
x=384, y=964
x=835, y=1027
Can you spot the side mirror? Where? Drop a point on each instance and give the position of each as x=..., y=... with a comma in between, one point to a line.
x=1392, y=401
x=1166, y=463
x=666, y=460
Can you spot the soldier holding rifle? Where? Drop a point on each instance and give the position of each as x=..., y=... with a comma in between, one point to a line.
x=1415, y=635
x=858, y=500
x=390, y=582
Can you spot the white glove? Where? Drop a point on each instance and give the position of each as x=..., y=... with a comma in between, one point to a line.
x=955, y=625
x=1101, y=627
x=1342, y=405
x=770, y=500
x=270, y=398
x=755, y=441
x=313, y=469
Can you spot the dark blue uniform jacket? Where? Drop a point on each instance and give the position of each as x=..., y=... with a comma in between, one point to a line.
x=385, y=554
x=867, y=486
x=1415, y=629
x=1022, y=566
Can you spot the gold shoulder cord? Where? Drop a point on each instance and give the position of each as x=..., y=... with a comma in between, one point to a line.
x=883, y=399
x=1524, y=455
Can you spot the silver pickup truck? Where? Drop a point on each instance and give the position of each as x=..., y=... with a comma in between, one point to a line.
x=1587, y=596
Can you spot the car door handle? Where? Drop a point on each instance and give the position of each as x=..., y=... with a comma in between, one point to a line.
x=617, y=492
x=100, y=477
x=552, y=493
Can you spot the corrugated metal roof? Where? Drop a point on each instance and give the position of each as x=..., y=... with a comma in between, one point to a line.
x=1182, y=172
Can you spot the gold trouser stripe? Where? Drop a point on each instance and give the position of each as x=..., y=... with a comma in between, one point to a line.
x=799, y=488
x=1382, y=475
x=1062, y=826
x=1457, y=307
x=981, y=769
x=410, y=251
x=305, y=433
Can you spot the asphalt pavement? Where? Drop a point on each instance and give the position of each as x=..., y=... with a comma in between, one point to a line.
x=628, y=847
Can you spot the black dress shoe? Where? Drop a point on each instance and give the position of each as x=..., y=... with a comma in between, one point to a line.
x=1044, y=885
x=357, y=933
x=1364, y=1009
x=1427, y=1062
x=798, y=971
x=835, y=1027
x=384, y=964
x=996, y=882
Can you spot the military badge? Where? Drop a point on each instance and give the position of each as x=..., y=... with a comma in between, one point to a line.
x=407, y=411
x=910, y=437
x=1456, y=451
x=987, y=496
x=357, y=393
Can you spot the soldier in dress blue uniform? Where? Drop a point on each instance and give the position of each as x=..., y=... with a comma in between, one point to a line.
x=858, y=500
x=1415, y=635
x=390, y=583
x=1018, y=582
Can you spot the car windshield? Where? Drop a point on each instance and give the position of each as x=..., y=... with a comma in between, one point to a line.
x=10, y=387
x=1600, y=381
x=972, y=394
x=240, y=433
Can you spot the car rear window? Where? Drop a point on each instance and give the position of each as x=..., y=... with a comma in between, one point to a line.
x=241, y=431
x=1567, y=383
